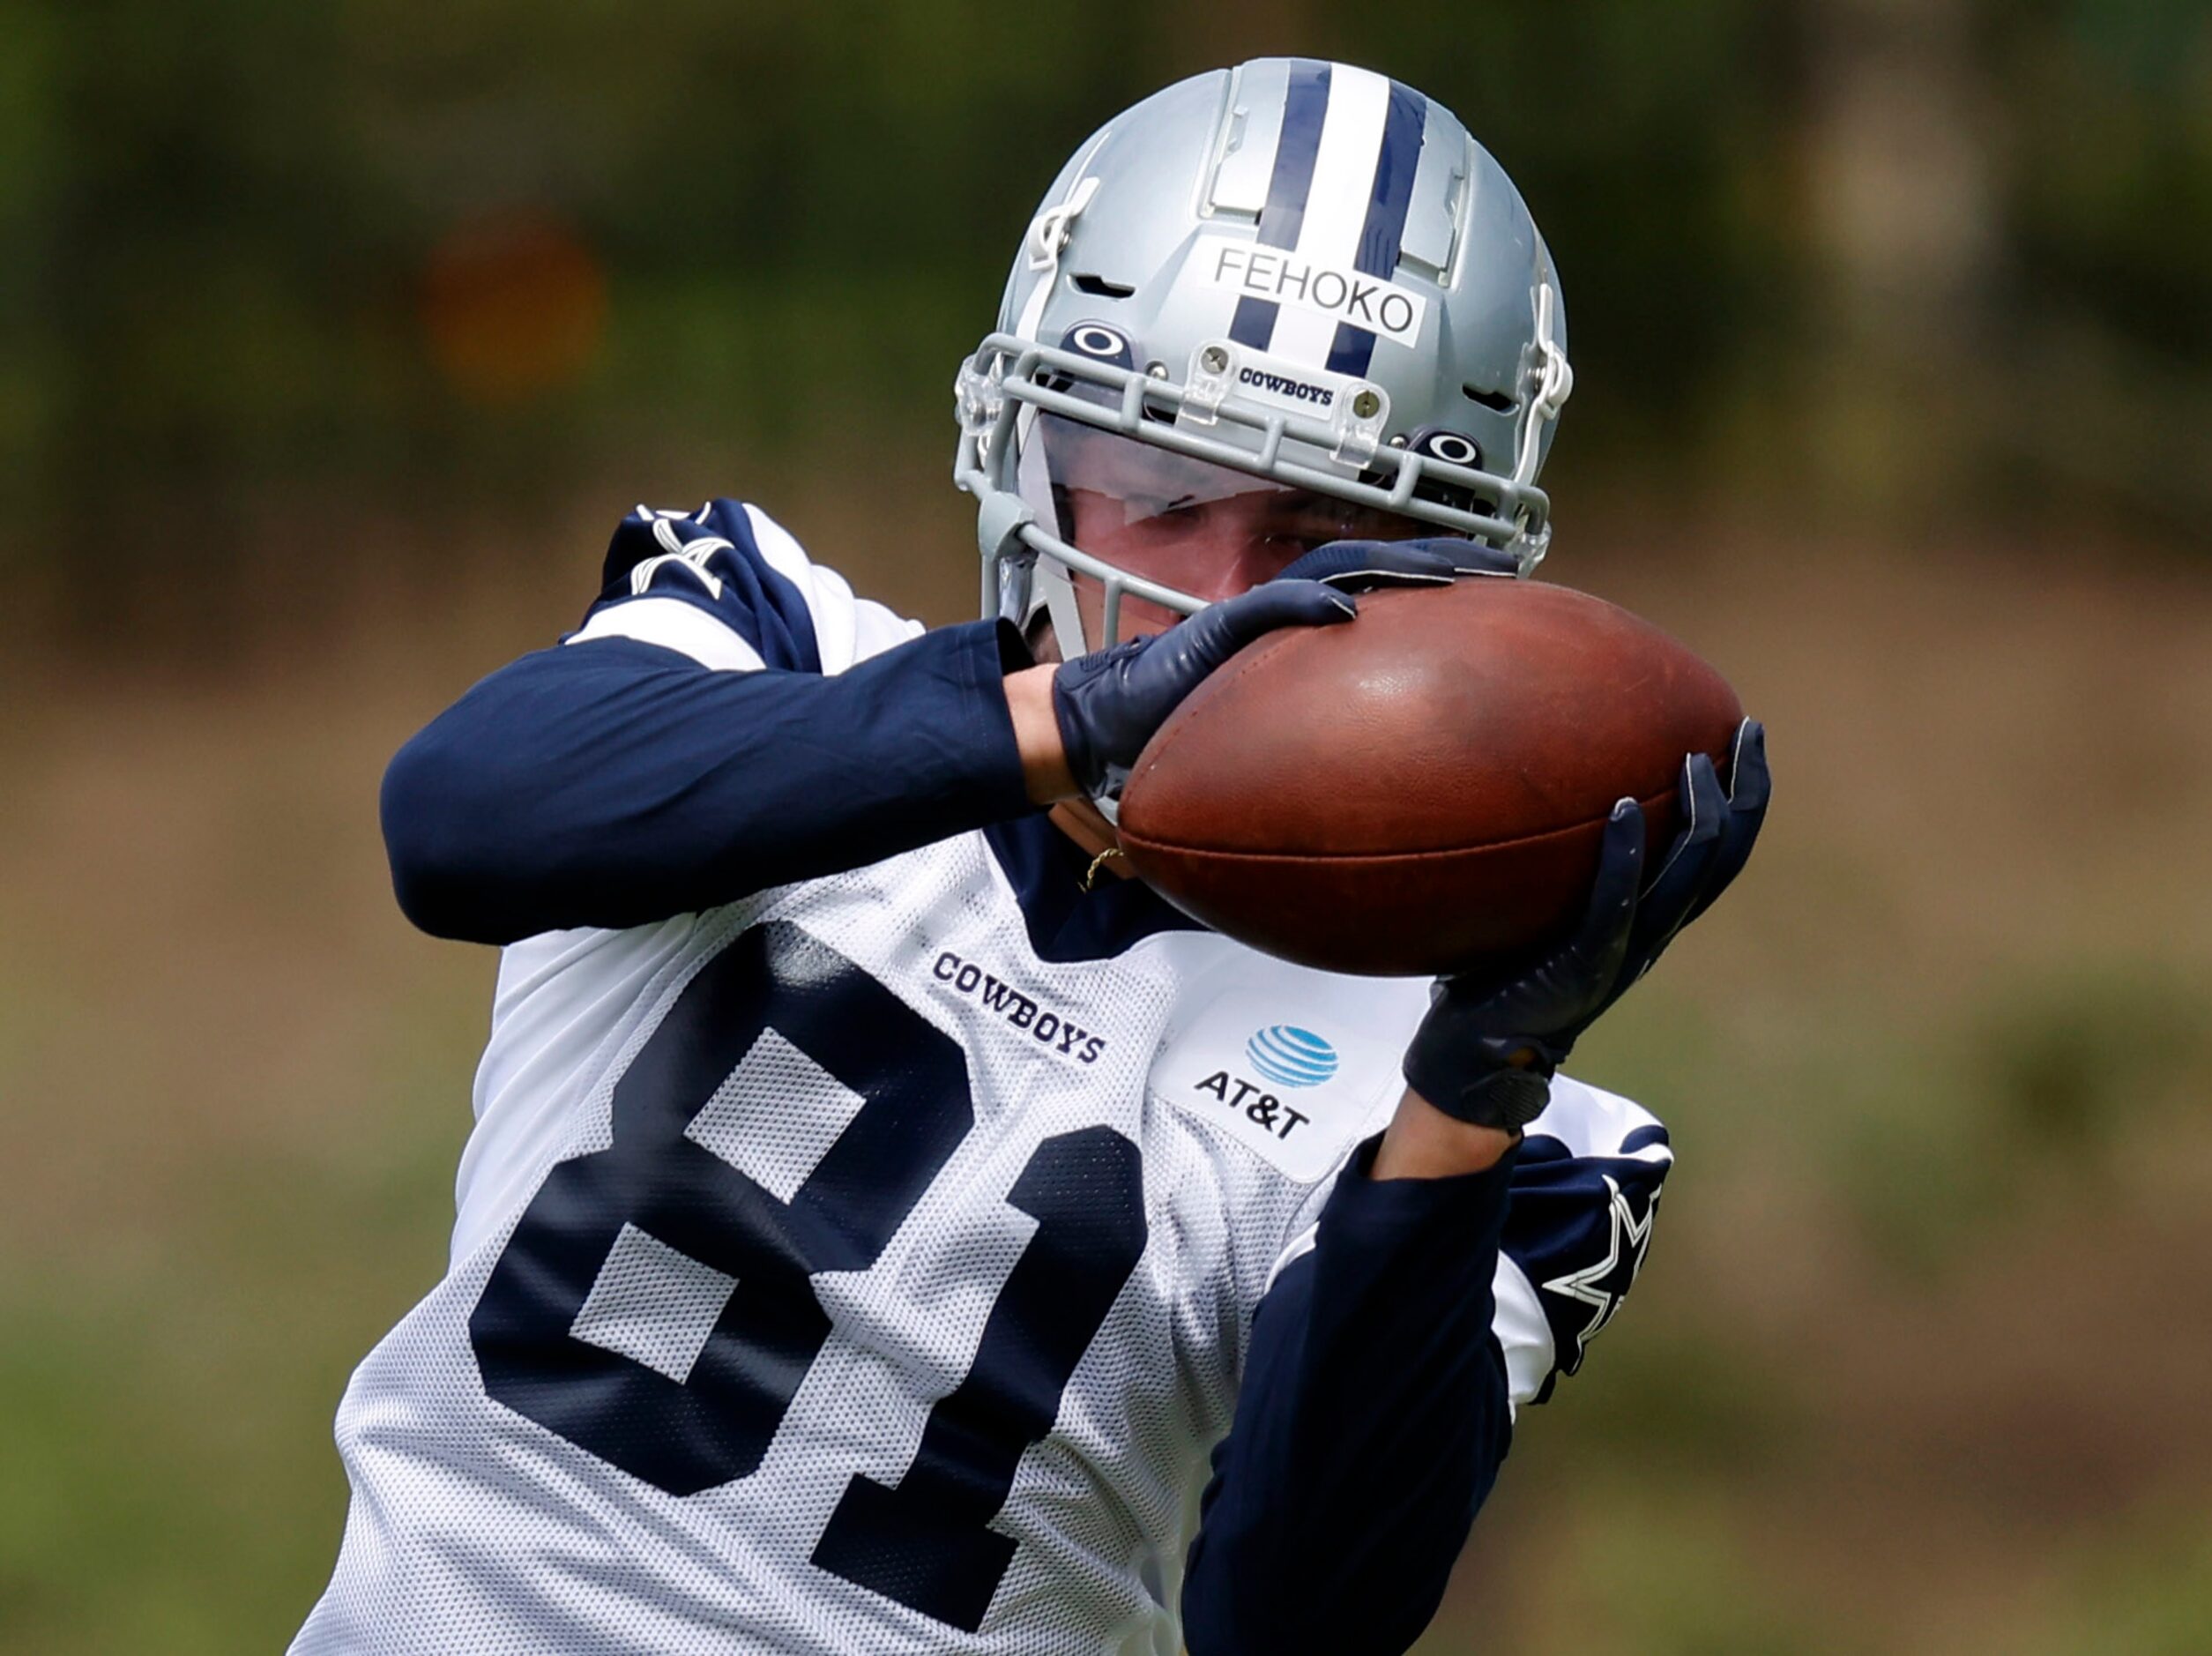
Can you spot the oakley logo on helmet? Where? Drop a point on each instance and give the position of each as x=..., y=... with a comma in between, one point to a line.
x=1366, y=302
x=1096, y=338
x=1452, y=447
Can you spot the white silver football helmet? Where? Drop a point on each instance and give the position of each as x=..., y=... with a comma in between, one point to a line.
x=1295, y=272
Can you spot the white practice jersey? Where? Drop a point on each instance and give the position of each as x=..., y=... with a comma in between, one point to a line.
x=835, y=1272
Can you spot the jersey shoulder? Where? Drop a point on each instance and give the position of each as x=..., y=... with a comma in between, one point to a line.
x=730, y=588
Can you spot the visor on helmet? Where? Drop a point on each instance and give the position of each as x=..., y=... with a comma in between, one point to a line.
x=1203, y=531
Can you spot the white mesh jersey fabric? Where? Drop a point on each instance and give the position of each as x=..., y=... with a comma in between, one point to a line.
x=474, y=1527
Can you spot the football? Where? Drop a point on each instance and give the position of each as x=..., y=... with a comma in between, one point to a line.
x=1422, y=790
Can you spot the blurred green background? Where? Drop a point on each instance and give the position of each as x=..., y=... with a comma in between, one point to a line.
x=334, y=338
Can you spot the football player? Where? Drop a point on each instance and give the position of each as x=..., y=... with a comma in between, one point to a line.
x=878, y=1209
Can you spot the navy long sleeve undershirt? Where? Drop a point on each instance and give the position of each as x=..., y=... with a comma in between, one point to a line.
x=614, y=783
x=1369, y=1428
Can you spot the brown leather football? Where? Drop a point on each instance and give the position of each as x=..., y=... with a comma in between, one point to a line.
x=1422, y=790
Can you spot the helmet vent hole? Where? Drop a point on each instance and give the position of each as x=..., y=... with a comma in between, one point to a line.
x=1496, y=401
x=1099, y=288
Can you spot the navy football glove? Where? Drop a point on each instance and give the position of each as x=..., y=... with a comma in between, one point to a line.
x=1486, y=1051
x=1360, y=566
x=1109, y=703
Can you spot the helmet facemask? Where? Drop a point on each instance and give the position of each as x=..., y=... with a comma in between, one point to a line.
x=1040, y=426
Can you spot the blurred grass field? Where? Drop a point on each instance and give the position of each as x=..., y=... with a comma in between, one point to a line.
x=1918, y=1363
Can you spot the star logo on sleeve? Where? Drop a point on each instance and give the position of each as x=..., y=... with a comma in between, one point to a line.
x=686, y=548
x=1603, y=1283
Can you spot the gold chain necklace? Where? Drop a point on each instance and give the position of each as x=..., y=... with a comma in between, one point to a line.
x=1091, y=874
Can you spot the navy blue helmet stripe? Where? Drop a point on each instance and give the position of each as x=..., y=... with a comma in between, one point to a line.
x=1404, y=125
x=1254, y=324
x=1305, y=104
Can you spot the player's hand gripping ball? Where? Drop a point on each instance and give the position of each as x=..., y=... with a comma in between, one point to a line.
x=1424, y=791
x=1108, y=704
x=1486, y=1051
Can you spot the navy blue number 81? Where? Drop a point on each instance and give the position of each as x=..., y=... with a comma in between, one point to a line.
x=925, y=1542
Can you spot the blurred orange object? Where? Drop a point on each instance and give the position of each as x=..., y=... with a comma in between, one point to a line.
x=512, y=306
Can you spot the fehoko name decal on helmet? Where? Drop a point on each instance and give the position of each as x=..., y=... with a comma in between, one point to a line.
x=1368, y=301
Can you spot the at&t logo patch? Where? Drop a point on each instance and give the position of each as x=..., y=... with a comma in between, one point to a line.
x=1253, y=1064
x=1291, y=1057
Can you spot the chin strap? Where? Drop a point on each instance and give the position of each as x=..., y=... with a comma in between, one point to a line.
x=1555, y=384
x=1048, y=236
